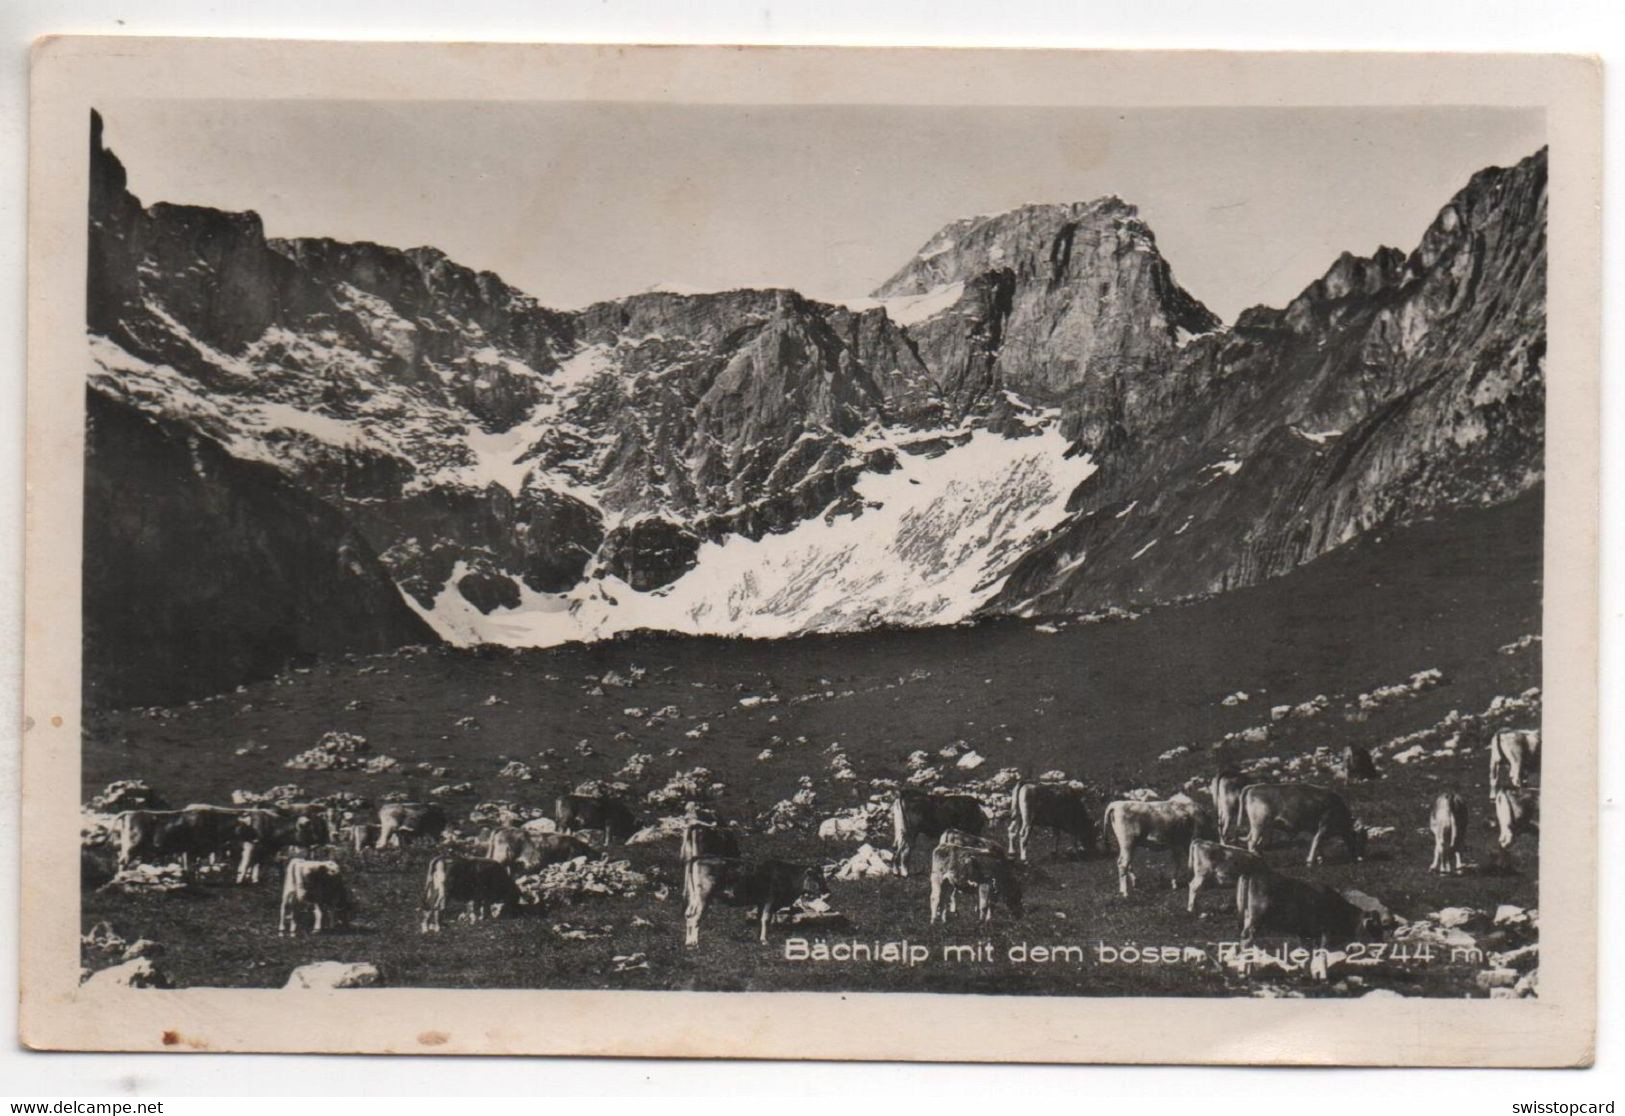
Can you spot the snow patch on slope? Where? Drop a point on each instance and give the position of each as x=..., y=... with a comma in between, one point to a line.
x=934, y=541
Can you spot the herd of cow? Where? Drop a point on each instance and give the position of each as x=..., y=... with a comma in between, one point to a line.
x=1197, y=837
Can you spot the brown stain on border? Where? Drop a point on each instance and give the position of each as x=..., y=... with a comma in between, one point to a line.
x=433, y=1038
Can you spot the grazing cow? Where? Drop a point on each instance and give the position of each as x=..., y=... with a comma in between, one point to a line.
x=702, y=839
x=1301, y=808
x=484, y=886
x=1514, y=754
x=916, y=814
x=195, y=833
x=1226, y=790
x=1061, y=809
x=575, y=812
x=1516, y=812
x=318, y=885
x=265, y=832
x=1358, y=764
x=955, y=869
x=1448, y=820
x=1212, y=862
x=766, y=886
x=1171, y=825
x=959, y=839
x=522, y=851
x=1270, y=903
x=401, y=823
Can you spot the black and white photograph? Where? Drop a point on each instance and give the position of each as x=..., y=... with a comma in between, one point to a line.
x=1034, y=551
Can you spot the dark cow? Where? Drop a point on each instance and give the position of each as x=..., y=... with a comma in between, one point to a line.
x=484, y=886
x=266, y=832
x=990, y=876
x=766, y=886
x=319, y=886
x=1215, y=863
x=701, y=839
x=1516, y=812
x=1300, y=808
x=360, y=835
x=1514, y=755
x=1272, y=904
x=1061, y=809
x=401, y=823
x=1226, y=791
x=1358, y=764
x=575, y=812
x=1171, y=825
x=1448, y=821
x=523, y=851
x=916, y=814
x=186, y=836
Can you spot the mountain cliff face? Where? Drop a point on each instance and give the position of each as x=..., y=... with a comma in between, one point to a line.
x=202, y=571
x=1392, y=388
x=756, y=462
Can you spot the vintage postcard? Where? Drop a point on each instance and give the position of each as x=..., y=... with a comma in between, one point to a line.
x=811, y=553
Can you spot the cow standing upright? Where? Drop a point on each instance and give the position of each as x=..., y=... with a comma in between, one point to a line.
x=990, y=876
x=319, y=886
x=702, y=839
x=1514, y=755
x=523, y=851
x=1516, y=812
x=1270, y=903
x=266, y=832
x=576, y=812
x=916, y=814
x=483, y=886
x=1448, y=821
x=1301, y=808
x=1226, y=791
x=1214, y=863
x=1170, y=825
x=1061, y=809
x=187, y=836
x=402, y=822
x=766, y=886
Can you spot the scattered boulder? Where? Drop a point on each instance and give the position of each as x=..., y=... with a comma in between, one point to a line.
x=322, y=975
x=139, y=973
x=126, y=794
x=582, y=876
x=867, y=863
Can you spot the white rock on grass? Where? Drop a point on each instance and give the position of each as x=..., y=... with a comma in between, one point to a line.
x=139, y=973
x=867, y=863
x=336, y=974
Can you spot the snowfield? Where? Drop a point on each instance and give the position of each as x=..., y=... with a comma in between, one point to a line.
x=934, y=540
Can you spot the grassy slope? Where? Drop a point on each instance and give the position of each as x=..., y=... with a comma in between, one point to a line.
x=1097, y=700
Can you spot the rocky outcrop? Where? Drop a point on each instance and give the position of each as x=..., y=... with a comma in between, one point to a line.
x=1392, y=388
x=202, y=571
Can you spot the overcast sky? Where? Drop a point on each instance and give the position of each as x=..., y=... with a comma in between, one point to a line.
x=579, y=202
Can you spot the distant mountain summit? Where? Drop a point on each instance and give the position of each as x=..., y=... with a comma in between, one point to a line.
x=758, y=462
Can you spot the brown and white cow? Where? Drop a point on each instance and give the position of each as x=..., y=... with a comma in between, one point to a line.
x=1300, y=808
x=483, y=886
x=316, y=885
x=1516, y=812
x=916, y=814
x=989, y=875
x=1514, y=757
x=1214, y=863
x=1448, y=821
x=1170, y=825
x=1059, y=808
x=401, y=823
x=704, y=839
x=187, y=836
x=576, y=812
x=765, y=886
x=520, y=850
x=1226, y=791
x=264, y=832
x=1269, y=903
